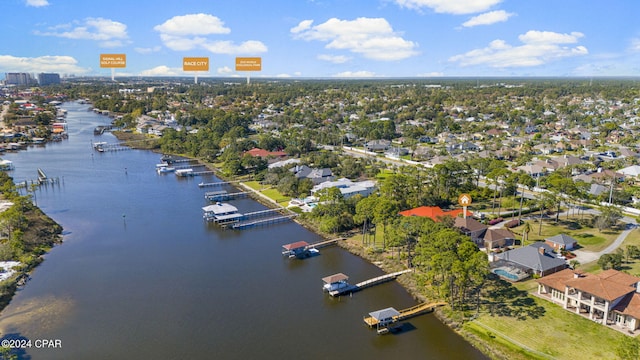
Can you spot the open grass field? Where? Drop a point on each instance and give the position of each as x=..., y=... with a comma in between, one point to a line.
x=558, y=334
x=589, y=238
x=269, y=192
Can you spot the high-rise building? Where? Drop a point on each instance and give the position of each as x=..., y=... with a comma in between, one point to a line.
x=18, y=79
x=48, y=79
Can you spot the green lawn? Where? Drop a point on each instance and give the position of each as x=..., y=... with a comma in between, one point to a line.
x=277, y=196
x=590, y=239
x=269, y=192
x=383, y=174
x=557, y=334
x=255, y=185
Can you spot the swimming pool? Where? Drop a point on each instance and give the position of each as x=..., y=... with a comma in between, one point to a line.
x=506, y=274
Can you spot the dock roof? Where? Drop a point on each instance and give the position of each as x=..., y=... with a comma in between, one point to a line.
x=295, y=245
x=335, y=278
x=384, y=314
x=220, y=208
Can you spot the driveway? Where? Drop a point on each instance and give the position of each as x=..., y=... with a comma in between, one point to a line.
x=584, y=256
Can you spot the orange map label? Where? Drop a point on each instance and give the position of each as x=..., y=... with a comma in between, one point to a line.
x=113, y=60
x=248, y=64
x=195, y=64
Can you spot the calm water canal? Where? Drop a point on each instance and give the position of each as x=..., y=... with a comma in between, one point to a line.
x=141, y=276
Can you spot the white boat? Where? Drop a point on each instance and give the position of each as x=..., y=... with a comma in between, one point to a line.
x=6, y=165
x=165, y=169
x=184, y=172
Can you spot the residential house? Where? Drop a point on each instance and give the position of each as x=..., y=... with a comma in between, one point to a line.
x=436, y=160
x=632, y=171
x=347, y=187
x=537, y=258
x=396, y=152
x=610, y=297
x=534, y=170
x=498, y=238
x=377, y=145
x=544, y=149
x=283, y=163
x=316, y=176
x=435, y=213
x=472, y=228
x=257, y=152
x=561, y=242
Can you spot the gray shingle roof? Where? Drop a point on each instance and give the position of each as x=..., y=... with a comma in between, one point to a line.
x=530, y=257
x=562, y=239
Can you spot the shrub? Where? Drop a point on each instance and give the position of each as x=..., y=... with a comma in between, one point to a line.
x=495, y=221
x=512, y=223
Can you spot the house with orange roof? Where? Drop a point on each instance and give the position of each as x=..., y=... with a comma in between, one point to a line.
x=435, y=213
x=257, y=152
x=611, y=297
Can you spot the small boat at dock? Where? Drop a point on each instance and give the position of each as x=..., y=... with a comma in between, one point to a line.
x=165, y=169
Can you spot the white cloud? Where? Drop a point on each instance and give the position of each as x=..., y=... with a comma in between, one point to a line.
x=192, y=24
x=336, y=59
x=432, y=74
x=549, y=37
x=230, y=48
x=162, y=70
x=539, y=47
x=49, y=63
x=37, y=3
x=224, y=70
x=150, y=50
x=283, y=75
x=450, y=6
x=489, y=18
x=108, y=32
x=635, y=45
x=373, y=38
x=355, y=74
x=189, y=32
x=302, y=26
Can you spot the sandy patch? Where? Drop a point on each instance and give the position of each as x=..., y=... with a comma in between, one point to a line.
x=39, y=315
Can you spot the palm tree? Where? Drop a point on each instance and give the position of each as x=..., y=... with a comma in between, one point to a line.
x=527, y=182
x=545, y=200
x=525, y=232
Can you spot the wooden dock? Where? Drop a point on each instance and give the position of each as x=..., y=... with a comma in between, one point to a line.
x=200, y=173
x=324, y=243
x=368, y=283
x=217, y=183
x=407, y=313
x=223, y=195
x=266, y=221
x=102, y=147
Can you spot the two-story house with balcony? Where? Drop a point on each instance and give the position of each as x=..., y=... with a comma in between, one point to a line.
x=611, y=297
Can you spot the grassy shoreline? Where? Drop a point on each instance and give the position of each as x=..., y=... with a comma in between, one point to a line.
x=383, y=260
x=491, y=335
x=41, y=235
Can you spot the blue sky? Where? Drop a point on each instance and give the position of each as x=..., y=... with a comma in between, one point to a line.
x=326, y=38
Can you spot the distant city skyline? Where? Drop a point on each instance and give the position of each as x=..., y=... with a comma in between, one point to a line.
x=326, y=38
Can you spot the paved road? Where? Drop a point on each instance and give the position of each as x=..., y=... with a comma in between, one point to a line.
x=584, y=256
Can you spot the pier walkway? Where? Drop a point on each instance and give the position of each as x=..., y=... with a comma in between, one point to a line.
x=217, y=183
x=223, y=195
x=324, y=243
x=407, y=313
x=368, y=283
x=265, y=221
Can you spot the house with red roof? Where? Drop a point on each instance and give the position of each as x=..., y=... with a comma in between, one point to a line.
x=435, y=213
x=257, y=152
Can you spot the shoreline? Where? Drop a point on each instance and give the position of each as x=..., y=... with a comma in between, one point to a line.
x=377, y=259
